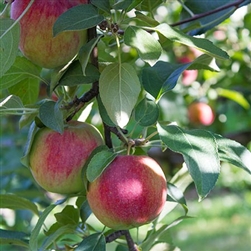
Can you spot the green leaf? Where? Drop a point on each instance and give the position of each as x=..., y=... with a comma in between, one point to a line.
x=119, y=88
x=149, y=5
x=94, y=242
x=68, y=216
x=98, y=162
x=85, y=52
x=146, y=112
x=149, y=49
x=103, y=113
x=174, y=194
x=13, y=238
x=20, y=70
x=74, y=75
x=102, y=5
x=233, y=152
x=80, y=17
x=201, y=44
x=143, y=20
x=9, y=41
x=52, y=116
x=61, y=231
x=200, y=152
x=27, y=90
x=235, y=96
x=33, y=244
x=85, y=211
x=154, y=236
x=15, y=202
x=25, y=160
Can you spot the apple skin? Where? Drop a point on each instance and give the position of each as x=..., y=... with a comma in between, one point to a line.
x=129, y=193
x=36, y=40
x=200, y=113
x=56, y=160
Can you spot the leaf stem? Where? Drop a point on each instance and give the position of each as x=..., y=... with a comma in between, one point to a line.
x=119, y=48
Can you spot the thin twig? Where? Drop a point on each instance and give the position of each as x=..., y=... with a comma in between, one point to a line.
x=201, y=15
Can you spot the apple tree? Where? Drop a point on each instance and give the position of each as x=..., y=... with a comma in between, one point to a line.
x=127, y=69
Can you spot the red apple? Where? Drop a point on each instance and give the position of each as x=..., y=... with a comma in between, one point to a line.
x=36, y=40
x=188, y=76
x=56, y=160
x=200, y=113
x=129, y=193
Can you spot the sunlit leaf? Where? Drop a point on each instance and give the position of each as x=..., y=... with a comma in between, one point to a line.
x=119, y=88
x=200, y=151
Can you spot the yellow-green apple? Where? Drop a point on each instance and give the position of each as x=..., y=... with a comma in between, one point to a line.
x=129, y=193
x=56, y=160
x=200, y=113
x=36, y=39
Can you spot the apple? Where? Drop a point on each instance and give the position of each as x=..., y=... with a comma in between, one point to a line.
x=36, y=39
x=188, y=76
x=129, y=193
x=56, y=160
x=200, y=113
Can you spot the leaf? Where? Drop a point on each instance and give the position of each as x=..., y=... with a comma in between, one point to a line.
x=148, y=5
x=68, y=216
x=174, y=194
x=27, y=90
x=200, y=152
x=15, y=202
x=25, y=160
x=102, y=5
x=119, y=89
x=74, y=75
x=61, y=231
x=33, y=243
x=51, y=116
x=143, y=20
x=13, y=238
x=212, y=20
x=94, y=242
x=20, y=70
x=9, y=41
x=201, y=44
x=235, y=96
x=149, y=49
x=85, y=52
x=163, y=76
x=85, y=211
x=153, y=237
x=103, y=113
x=80, y=17
x=233, y=152
x=146, y=112
x=98, y=162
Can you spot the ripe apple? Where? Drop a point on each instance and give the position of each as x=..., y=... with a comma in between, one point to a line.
x=201, y=114
x=36, y=40
x=129, y=193
x=56, y=160
x=188, y=76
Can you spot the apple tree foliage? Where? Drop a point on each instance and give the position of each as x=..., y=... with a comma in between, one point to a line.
x=125, y=81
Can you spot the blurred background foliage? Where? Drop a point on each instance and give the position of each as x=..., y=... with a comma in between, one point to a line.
x=222, y=221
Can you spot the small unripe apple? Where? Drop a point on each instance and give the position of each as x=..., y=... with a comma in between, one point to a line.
x=200, y=113
x=129, y=193
x=56, y=160
x=36, y=39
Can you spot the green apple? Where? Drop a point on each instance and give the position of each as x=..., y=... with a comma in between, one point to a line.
x=129, y=193
x=56, y=160
x=36, y=40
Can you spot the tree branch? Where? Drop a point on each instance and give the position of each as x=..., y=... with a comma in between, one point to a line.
x=208, y=13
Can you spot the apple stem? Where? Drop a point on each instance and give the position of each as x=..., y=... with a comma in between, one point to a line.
x=130, y=243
